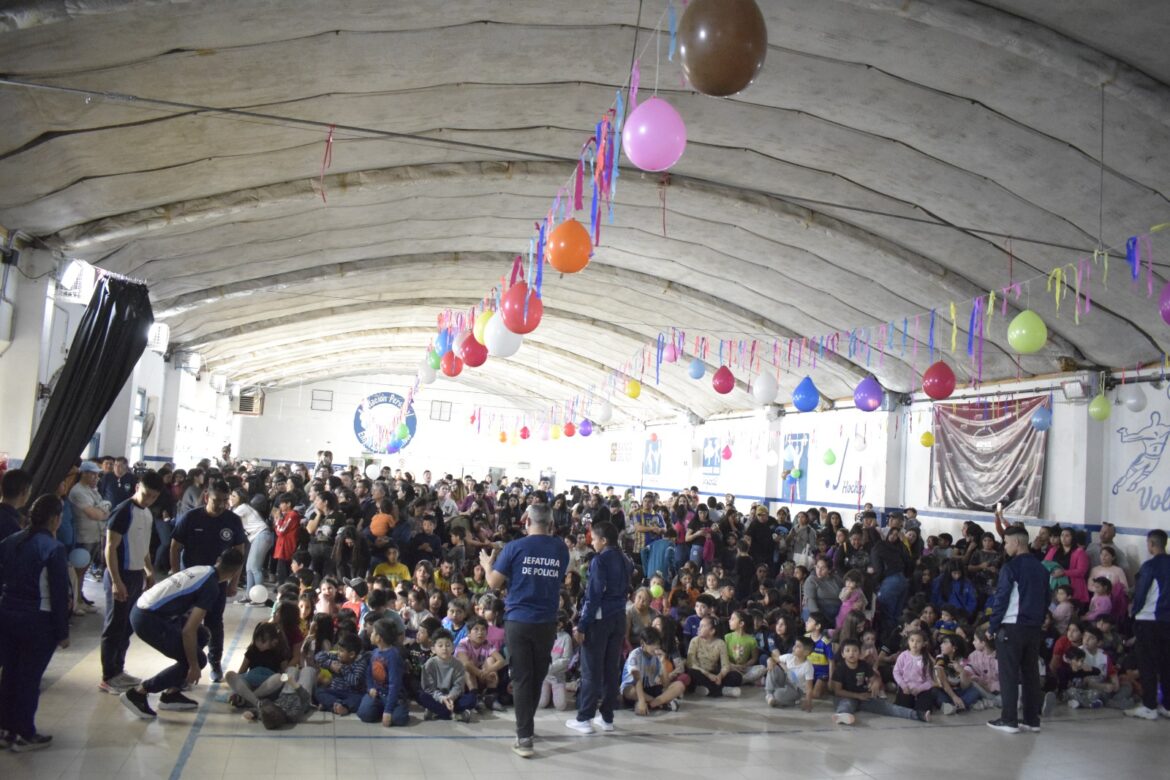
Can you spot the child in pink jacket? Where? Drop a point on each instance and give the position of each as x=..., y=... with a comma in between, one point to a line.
x=914, y=674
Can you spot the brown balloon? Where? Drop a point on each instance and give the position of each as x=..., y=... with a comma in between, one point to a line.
x=722, y=44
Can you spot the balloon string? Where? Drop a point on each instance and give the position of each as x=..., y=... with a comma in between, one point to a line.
x=326, y=161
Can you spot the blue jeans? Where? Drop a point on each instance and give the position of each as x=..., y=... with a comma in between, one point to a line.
x=26, y=647
x=258, y=558
x=891, y=599
x=465, y=701
x=327, y=697
x=967, y=695
x=371, y=709
x=601, y=668
x=166, y=636
x=877, y=707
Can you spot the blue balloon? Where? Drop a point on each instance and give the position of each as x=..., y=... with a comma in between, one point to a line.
x=394, y=446
x=1042, y=418
x=444, y=341
x=585, y=428
x=868, y=395
x=79, y=558
x=696, y=369
x=806, y=397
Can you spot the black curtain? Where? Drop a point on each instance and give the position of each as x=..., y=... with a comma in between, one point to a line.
x=110, y=339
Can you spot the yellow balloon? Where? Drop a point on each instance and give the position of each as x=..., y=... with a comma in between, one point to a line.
x=927, y=439
x=633, y=388
x=556, y=432
x=481, y=321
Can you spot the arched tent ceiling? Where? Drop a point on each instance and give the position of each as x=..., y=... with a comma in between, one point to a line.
x=871, y=173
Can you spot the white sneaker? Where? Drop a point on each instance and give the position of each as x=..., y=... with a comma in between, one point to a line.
x=1073, y=704
x=732, y=691
x=948, y=709
x=844, y=719
x=702, y=691
x=580, y=726
x=770, y=701
x=1165, y=713
x=124, y=680
x=1142, y=712
x=600, y=723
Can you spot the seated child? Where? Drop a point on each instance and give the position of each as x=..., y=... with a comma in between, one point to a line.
x=858, y=687
x=384, y=697
x=852, y=596
x=790, y=676
x=708, y=664
x=742, y=649
x=821, y=656
x=392, y=568
x=949, y=692
x=356, y=591
x=1063, y=610
x=343, y=672
x=704, y=606
x=914, y=674
x=1105, y=682
x=1072, y=681
x=1102, y=601
x=264, y=660
x=443, y=687
x=553, y=688
x=290, y=705
x=456, y=621
x=981, y=668
x=644, y=681
x=418, y=652
x=482, y=662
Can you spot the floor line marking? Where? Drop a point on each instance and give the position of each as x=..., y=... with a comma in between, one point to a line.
x=201, y=718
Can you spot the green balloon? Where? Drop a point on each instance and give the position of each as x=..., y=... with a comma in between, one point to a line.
x=403, y=431
x=1100, y=408
x=1027, y=333
x=830, y=458
x=797, y=473
x=433, y=360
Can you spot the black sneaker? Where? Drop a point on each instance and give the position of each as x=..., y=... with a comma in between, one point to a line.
x=216, y=672
x=999, y=724
x=176, y=702
x=137, y=702
x=28, y=744
x=465, y=716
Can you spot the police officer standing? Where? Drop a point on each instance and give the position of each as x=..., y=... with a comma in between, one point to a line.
x=1021, y=603
x=199, y=538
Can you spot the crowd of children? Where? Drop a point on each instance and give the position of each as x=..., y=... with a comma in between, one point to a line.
x=797, y=606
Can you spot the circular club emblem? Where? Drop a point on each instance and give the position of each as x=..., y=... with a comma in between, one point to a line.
x=225, y=534
x=374, y=421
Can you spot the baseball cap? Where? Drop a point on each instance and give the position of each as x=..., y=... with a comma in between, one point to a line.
x=89, y=467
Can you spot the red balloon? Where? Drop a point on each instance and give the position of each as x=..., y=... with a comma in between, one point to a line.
x=473, y=353
x=569, y=247
x=723, y=381
x=512, y=309
x=939, y=381
x=451, y=364
x=524, y=432
x=654, y=437
x=570, y=429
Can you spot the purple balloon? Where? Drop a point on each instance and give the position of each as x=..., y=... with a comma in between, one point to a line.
x=868, y=395
x=585, y=428
x=1164, y=303
x=654, y=135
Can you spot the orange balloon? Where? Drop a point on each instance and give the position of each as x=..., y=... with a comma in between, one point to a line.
x=569, y=247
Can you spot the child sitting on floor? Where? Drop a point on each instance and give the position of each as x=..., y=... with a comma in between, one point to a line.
x=384, y=698
x=345, y=668
x=482, y=662
x=914, y=674
x=644, y=681
x=264, y=661
x=790, y=676
x=443, y=690
x=552, y=689
x=858, y=687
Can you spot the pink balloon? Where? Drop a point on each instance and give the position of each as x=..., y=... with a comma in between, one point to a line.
x=654, y=136
x=1164, y=303
x=726, y=453
x=669, y=353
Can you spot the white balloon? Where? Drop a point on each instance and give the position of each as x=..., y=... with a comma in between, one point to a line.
x=603, y=413
x=859, y=444
x=258, y=594
x=1132, y=396
x=764, y=389
x=500, y=341
x=373, y=470
x=426, y=374
x=773, y=458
